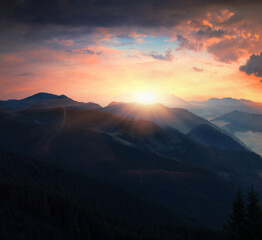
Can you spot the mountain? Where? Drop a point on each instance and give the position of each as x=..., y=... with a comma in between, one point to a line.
x=227, y=101
x=245, y=126
x=238, y=121
x=209, y=109
x=211, y=137
x=167, y=156
x=216, y=107
x=213, y=107
x=46, y=100
x=178, y=118
x=181, y=114
x=161, y=165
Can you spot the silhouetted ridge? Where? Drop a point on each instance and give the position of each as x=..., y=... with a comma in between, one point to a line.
x=178, y=118
x=44, y=96
x=211, y=137
x=46, y=100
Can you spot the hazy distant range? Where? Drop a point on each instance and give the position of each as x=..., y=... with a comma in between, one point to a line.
x=240, y=117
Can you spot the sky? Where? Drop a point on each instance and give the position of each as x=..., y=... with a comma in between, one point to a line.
x=105, y=50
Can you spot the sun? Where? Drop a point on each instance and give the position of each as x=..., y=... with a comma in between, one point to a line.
x=146, y=98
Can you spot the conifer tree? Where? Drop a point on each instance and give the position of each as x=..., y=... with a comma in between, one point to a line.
x=253, y=216
x=236, y=223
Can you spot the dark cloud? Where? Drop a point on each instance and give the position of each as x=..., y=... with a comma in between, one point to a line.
x=123, y=44
x=253, y=65
x=124, y=36
x=209, y=33
x=92, y=13
x=184, y=43
x=228, y=50
x=168, y=56
x=106, y=13
x=83, y=51
x=28, y=24
x=196, y=69
x=25, y=74
x=27, y=37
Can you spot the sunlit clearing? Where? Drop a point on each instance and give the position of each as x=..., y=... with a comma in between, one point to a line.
x=146, y=98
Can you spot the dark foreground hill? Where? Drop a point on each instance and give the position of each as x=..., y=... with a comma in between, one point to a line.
x=160, y=165
x=42, y=200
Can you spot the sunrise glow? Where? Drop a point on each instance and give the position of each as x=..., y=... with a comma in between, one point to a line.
x=146, y=98
x=196, y=57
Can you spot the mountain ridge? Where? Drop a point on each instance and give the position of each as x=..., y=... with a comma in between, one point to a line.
x=211, y=137
x=162, y=165
x=179, y=118
x=46, y=100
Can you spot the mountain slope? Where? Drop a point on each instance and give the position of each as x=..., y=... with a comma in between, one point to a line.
x=46, y=201
x=178, y=118
x=240, y=121
x=54, y=177
x=216, y=107
x=121, y=151
x=161, y=165
x=245, y=126
x=209, y=136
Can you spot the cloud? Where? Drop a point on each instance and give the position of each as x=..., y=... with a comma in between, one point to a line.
x=210, y=33
x=168, y=56
x=133, y=56
x=83, y=51
x=228, y=50
x=253, y=65
x=100, y=13
x=25, y=74
x=29, y=24
x=19, y=37
x=252, y=140
x=196, y=69
x=108, y=13
x=184, y=43
x=124, y=36
x=123, y=44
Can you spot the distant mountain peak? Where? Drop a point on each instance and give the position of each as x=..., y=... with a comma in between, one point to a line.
x=237, y=111
x=43, y=95
x=63, y=96
x=229, y=100
x=115, y=103
x=47, y=100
